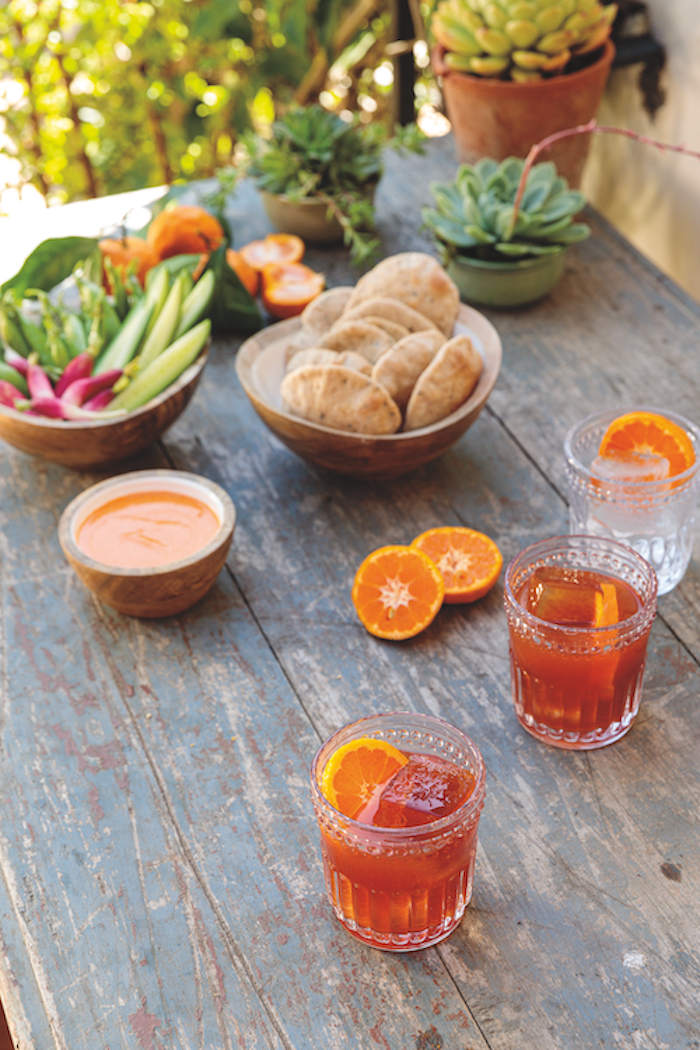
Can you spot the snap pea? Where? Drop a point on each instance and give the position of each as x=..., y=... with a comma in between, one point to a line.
x=163, y=331
x=165, y=369
x=127, y=341
x=197, y=302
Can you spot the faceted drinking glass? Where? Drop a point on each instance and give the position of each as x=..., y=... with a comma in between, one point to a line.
x=401, y=888
x=655, y=518
x=575, y=686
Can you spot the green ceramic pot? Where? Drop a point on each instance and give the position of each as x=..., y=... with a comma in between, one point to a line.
x=510, y=283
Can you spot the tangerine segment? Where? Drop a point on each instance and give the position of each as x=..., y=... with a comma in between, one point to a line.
x=275, y=248
x=468, y=561
x=397, y=592
x=649, y=434
x=355, y=774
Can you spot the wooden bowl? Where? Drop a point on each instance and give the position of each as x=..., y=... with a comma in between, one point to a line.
x=165, y=589
x=87, y=444
x=260, y=366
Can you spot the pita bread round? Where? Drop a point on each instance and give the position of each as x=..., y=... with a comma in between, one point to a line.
x=360, y=336
x=392, y=309
x=399, y=367
x=312, y=356
x=393, y=328
x=323, y=311
x=418, y=280
x=340, y=398
x=445, y=384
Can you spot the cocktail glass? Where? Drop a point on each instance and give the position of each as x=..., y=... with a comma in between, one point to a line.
x=577, y=686
x=655, y=518
x=401, y=888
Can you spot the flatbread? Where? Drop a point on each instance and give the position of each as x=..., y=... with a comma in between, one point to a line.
x=418, y=280
x=393, y=328
x=392, y=309
x=320, y=356
x=360, y=336
x=399, y=367
x=323, y=311
x=445, y=384
x=340, y=398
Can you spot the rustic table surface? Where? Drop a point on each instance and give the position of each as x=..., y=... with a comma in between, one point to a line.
x=160, y=877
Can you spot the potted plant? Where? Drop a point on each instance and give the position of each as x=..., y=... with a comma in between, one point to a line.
x=514, y=72
x=503, y=230
x=317, y=174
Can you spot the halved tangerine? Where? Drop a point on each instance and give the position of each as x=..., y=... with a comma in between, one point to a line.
x=397, y=592
x=649, y=434
x=469, y=561
x=275, y=248
x=249, y=278
x=286, y=289
x=355, y=774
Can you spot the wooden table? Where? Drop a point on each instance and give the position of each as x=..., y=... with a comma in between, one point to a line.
x=160, y=877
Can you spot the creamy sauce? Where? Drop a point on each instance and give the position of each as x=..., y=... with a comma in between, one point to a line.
x=144, y=529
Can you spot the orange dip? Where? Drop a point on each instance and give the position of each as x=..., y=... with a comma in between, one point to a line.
x=144, y=529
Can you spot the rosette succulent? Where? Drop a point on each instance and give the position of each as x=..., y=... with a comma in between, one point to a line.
x=476, y=215
x=519, y=39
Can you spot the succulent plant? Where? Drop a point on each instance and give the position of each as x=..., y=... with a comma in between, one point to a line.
x=476, y=215
x=519, y=39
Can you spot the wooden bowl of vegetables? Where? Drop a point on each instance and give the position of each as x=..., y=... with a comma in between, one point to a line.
x=92, y=409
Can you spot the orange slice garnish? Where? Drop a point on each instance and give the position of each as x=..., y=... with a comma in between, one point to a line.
x=275, y=248
x=397, y=592
x=649, y=434
x=468, y=561
x=606, y=608
x=355, y=774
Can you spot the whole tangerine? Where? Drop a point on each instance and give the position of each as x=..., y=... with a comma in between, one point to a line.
x=122, y=252
x=185, y=229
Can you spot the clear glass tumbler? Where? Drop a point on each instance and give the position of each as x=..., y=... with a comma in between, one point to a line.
x=401, y=888
x=575, y=686
x=655, y=518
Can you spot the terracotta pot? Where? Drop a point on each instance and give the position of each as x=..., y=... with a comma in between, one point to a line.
x=502, y=118
x=307, y=218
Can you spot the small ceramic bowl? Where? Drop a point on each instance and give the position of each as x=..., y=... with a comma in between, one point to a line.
x=165, y=589
x=260, y=366
x=88, y=444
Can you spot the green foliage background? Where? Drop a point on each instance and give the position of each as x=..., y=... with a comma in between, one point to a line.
x=103, y=96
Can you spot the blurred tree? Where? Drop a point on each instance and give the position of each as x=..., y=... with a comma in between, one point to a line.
x=102, y=96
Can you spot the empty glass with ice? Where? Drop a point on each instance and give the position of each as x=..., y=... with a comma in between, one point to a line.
x=633, y=476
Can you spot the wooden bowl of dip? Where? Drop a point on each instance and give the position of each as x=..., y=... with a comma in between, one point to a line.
x=149, y=543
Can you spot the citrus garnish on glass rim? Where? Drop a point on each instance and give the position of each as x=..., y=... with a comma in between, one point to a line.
x=649, y=434
x=355, y=774
x=468, y=561
x=397, y=592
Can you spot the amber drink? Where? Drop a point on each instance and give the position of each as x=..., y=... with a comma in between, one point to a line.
x=579, y=611
x=399, y=874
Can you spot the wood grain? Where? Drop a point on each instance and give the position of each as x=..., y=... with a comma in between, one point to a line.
x=160, y=878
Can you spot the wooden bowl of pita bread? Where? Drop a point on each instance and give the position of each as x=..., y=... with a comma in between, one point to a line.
x=375, y=380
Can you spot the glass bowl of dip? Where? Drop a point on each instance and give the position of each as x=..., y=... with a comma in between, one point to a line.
x=149, y=543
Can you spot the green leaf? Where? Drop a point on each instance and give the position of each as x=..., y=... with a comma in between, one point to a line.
x=513, y=248
x=578, y=232
x=234, y=311
x=50, y=263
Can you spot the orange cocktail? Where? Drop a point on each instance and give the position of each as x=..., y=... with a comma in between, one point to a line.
x=579, y=610
x=399, y=849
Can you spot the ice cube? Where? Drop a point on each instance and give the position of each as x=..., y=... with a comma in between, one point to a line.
x=425, y=789
x=568, y=597
x=628, y=465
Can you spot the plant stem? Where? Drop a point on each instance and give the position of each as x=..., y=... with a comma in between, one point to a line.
x=592, y=127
